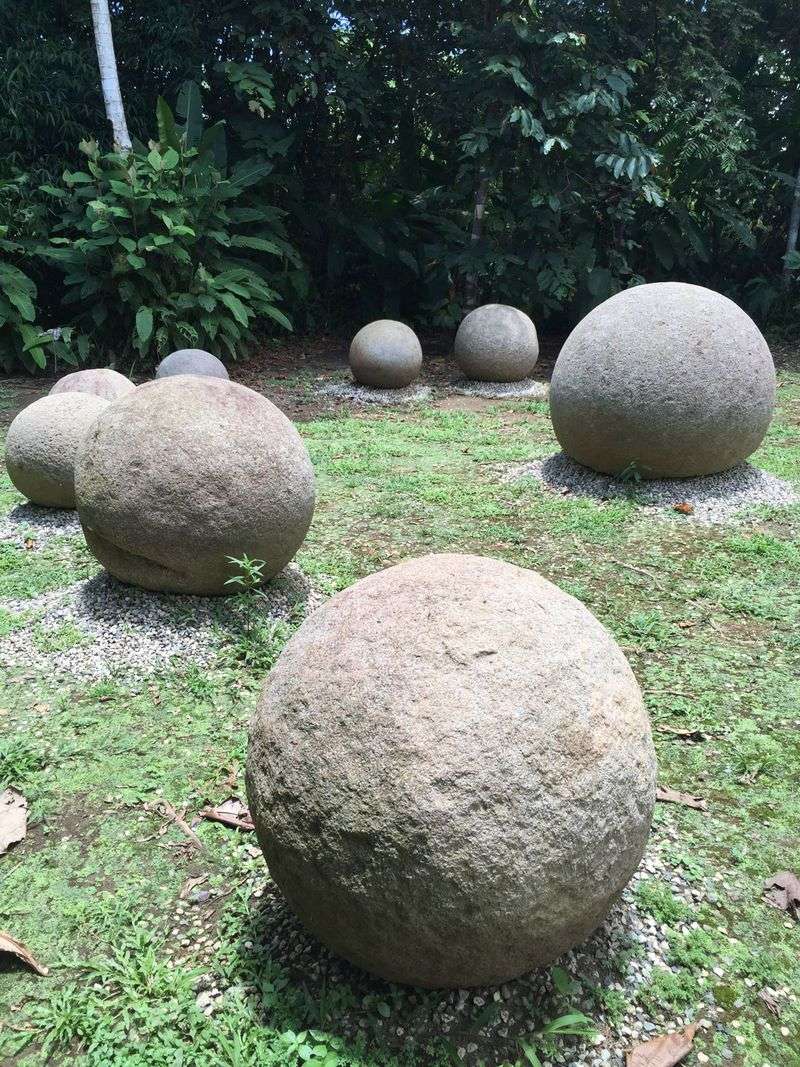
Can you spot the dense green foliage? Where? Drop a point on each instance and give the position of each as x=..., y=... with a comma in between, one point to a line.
x=430, y=154
x=154, y=248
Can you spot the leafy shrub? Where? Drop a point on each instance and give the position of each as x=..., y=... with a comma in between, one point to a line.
x=21, y=339
x=156, y=250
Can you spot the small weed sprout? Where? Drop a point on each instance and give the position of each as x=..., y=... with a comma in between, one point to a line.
x=545, y=1040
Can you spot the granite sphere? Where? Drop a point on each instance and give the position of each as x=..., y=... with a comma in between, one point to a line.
x=101, y=381
x=386, y=355
x=451, y=772
x=496, y=343
x=43, y=442
x=186, y=472
x=669, y=380
x=191, y=361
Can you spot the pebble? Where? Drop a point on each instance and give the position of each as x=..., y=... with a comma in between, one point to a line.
x=125, y=630
x=715, y=498
x=28, y=522
x=365, y=394
x=528, y=388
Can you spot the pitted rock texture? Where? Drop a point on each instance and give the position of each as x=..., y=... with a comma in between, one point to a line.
x=668, y=380
x=451, y=772
x=496, y=343
x=385, y=354
x=43, y=443
x=101, y=381
x=186, y=472
x=191, y=361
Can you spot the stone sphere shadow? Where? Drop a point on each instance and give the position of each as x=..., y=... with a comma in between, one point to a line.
x=296, y=982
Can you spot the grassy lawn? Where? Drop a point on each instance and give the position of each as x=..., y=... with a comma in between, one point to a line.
x=141, y=924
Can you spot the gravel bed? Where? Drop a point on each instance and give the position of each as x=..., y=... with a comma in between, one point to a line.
x=28, y=522
x=365, y=394
x=100, y=627
x=715, y=498
x=528, y=387
x=483, y=1024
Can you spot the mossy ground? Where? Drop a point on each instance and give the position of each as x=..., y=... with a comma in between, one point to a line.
x=708, y=616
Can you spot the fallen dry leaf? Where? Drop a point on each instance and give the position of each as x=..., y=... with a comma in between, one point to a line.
x=769, y=1000
x=783, y=892
x=192, y=883
x=685, y=800
x=22, y=952
x=230, y=813
x=13, y=818
x=29, y=543
x=685, y=508
x=664, y=1051
x=686, y=733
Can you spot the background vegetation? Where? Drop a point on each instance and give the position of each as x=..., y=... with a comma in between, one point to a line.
x=407, y=157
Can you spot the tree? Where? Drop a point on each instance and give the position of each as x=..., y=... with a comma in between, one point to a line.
x=109, y=78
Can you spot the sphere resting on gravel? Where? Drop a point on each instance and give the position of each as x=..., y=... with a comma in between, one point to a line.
x=191, y=361
x=669, y=380
x=43, y=442
x=385, y=354
x=451, y=772
x=100, y=381
x=496, y=343
x=186, y=472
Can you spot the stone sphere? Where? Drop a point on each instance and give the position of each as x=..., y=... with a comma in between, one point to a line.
x=671, y=380
x=451, y=772
x=102, y=381
x=496, y=343
x=43, y=442
x=191, y=361
x=185, y=472
x=385, y=354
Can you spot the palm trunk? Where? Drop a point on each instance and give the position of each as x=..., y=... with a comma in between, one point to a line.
x=109, y=79
x=794, y=228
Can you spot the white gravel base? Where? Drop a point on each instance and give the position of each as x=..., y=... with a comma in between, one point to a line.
x=715, y=498
x=30, y=522
x=528, y=387
x=364, y=394
x=483, y=1024
x=115, y=629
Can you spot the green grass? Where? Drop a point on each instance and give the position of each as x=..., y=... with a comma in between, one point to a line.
x=708, y=618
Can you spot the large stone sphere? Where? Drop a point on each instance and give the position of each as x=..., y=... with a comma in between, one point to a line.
x=43, y=442
x=101, y=381
x=669, y=380
x=451, y=772
x=191, y=361
x=385, y=354
x=186, y=472
x=496, y=343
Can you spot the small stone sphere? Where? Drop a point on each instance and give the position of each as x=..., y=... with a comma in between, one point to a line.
x=386, y=355
x=451, y=772
x=667, y=380
x=43, y=442
x=496, y=343
x=185, y=472
x=102, y=381
x=191, y=361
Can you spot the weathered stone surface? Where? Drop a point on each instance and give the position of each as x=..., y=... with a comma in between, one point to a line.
x=101, y=381
x=186, y=472
x=43, y=442
x=451, y=772
x=191, y=361
x=496, y=343
x=385, y=354
x=671, y=378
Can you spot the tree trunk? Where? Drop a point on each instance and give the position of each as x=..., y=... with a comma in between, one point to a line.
x=794, y=228
x=109, y=79
x=476, y=233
